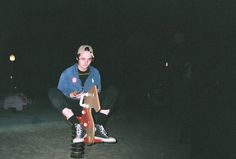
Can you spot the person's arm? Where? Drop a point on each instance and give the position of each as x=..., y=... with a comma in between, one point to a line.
x=98, y=81
x=63, y=85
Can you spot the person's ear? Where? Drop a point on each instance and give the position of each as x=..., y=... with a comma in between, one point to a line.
x=77, y=57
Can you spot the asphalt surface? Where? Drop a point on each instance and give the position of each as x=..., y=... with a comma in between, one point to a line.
x=40, y=132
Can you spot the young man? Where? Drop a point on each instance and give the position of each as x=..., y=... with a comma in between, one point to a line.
x=73, y=82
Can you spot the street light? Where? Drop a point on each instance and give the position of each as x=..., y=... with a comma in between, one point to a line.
x=12, y=59
x=166, y=64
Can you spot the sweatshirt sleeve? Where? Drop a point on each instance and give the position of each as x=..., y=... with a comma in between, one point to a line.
x=62, y=85
x=99, y=85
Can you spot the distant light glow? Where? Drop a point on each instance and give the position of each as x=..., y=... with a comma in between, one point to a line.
x=12, y=58
x=167, y=64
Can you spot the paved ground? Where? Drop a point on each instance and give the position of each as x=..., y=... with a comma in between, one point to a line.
x=39, y=132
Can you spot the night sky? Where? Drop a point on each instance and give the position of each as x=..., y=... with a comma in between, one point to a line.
x=132, y=40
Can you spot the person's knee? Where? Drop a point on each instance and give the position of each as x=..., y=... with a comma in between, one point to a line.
x=54, y=93
x=110, y=97
x=57, y=98
x=113, y=90
x=51, y=92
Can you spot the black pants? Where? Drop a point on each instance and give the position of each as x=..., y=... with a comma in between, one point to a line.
x=60, y=101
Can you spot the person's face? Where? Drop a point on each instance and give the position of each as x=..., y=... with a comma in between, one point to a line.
x=84, y=60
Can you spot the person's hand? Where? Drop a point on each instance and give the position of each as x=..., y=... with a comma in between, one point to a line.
x=105, y=111
x=76, y=94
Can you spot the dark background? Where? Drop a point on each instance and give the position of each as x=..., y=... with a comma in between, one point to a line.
x=132, y=41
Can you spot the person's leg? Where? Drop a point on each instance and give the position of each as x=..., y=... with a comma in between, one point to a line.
x=57, y=99
x=108, y=100
x=70, y=109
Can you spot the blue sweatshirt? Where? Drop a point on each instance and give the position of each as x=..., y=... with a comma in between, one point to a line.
x=69, y=80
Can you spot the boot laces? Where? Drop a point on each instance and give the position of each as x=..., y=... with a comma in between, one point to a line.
x=102, y=130
x=79, y=130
